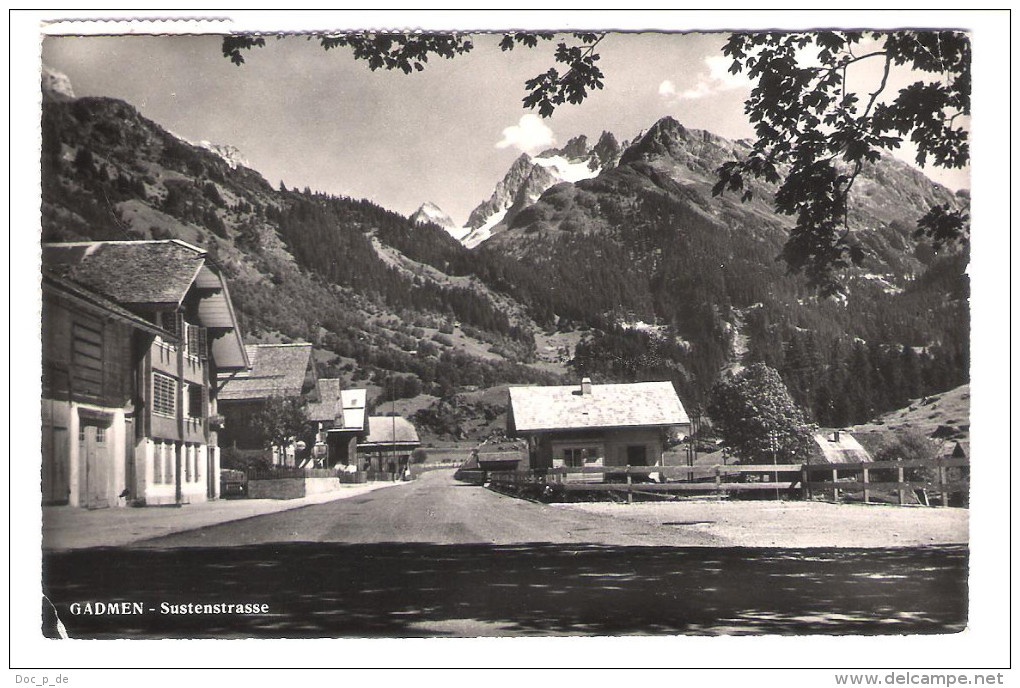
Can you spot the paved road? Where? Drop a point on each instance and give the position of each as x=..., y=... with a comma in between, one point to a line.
x=436, y=558
x=436, y=509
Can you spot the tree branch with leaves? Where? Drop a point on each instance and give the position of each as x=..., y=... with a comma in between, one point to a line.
x=814, y=136
x=410, y=52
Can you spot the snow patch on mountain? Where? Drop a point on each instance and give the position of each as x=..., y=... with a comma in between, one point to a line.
x=476, y=236
x=529, y=177
x=230, y=154
x=568, y=170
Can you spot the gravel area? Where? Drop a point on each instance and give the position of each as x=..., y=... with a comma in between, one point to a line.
x=795, y=524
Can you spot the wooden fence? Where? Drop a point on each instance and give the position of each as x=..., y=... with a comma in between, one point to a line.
x=792, y=479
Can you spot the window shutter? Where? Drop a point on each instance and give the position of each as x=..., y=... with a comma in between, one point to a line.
x=203, y=343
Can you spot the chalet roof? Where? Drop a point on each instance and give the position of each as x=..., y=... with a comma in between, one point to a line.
x=327, y=408
x=639, y=404
x=839, y=446
x=276, y=370
x=132, y=273
x=384, y=431
x=345, y=409
x=79, y=293
x=142, y=276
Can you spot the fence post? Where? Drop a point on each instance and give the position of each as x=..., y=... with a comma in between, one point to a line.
x=942, y=485
x=804, y=490
x=835, y=485
x=866, y=491
x=630, y=495
x=899, y=486
x=718, y=484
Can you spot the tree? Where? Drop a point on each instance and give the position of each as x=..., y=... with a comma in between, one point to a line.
x=813, y=134
x=757, y=418
x=279, y=421
x=409, y=52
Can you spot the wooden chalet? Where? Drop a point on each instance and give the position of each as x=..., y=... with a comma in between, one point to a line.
x=340, y=415
x=596, y=425
x=133, y=334
x=277, y=370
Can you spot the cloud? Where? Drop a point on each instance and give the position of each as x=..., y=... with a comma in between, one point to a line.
x=717, y=79
x=529, y=134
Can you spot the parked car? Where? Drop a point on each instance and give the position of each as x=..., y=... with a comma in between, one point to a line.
x=233, y=483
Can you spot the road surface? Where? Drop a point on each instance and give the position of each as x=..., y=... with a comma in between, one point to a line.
x=435, y=509
x=434, y=557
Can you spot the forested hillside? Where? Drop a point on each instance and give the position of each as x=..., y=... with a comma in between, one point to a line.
x=662, y=279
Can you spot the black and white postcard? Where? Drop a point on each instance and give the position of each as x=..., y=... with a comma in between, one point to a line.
x=408, y=329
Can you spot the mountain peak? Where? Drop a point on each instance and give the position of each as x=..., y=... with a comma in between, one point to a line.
x=575, y=149
x=56, y=85
x=429, y=212
x=230, y=154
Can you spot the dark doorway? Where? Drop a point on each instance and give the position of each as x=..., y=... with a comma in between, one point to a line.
x=637, y=455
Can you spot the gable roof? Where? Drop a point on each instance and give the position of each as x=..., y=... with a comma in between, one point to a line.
x=327, y=408
x=638, y=404
x=390, y=430
x=841, y=448
x=132, y=273
x=142, y=276
x=344, y=408
x=276, y=370
x=79, y=294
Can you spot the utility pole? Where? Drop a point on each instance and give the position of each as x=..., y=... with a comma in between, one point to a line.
x=393, y=423
x=774, y=444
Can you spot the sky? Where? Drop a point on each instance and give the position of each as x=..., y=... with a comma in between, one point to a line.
x=446, y=135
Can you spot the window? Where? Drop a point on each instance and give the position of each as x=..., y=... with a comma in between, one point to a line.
x=168, y=462
x=164, y=394
x=195, y=401
x=100, y=434
x=157, y=463
x=579, y=456
x=169, y=321
x=196, y=340
x=87, y=357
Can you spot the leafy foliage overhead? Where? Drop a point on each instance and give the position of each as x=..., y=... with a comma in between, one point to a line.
x=814, y=135
x=409, y=52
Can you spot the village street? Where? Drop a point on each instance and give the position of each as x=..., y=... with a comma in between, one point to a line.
x=436, y=557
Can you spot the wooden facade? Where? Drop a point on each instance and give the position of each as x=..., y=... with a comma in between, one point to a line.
x=127, y=396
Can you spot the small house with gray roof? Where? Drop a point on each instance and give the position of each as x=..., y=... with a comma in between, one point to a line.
x=134, y=334
x=596, y=424
x=839, y=447
x=340, y=416
x=286, y=371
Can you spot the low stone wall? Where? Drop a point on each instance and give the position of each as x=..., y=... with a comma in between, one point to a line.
x=279, y=488
x=290, y=488
x=320, y=485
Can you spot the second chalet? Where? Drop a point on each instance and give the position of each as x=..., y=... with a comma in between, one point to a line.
x=596, y=425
